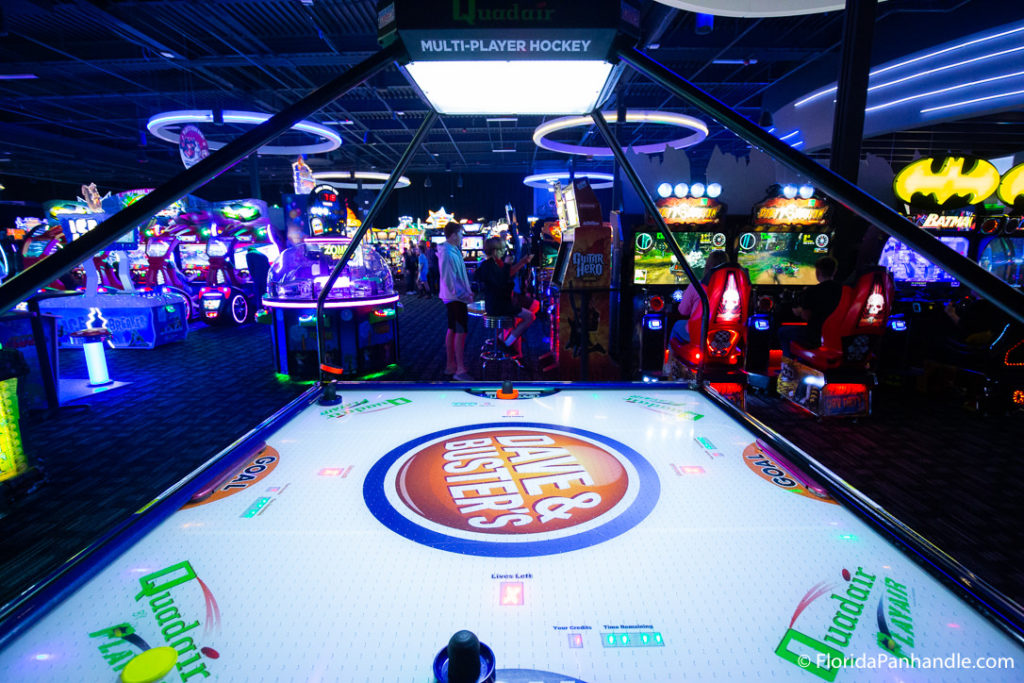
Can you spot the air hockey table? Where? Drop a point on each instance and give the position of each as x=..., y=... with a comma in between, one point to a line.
x=584, y=533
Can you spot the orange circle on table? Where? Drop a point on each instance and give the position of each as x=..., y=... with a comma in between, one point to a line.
x=511, y=481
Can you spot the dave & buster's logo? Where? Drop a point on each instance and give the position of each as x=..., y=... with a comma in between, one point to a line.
x=503, y=491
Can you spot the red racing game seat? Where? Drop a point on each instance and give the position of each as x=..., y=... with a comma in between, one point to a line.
x=836, y=378
x=729, y=299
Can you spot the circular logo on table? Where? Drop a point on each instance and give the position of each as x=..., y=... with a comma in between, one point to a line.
x=501, y=491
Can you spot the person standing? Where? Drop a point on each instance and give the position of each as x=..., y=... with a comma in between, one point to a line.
x=433, y=275
x=424, y=270
x=816, y=304
x=411, y=265
x=457, y=294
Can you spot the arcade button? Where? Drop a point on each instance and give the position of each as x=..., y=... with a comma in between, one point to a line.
x=150, y=666
x=464, y=660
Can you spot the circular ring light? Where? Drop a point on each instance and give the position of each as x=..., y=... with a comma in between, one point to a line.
x=700, y=131
x=350, y=180
x=681, y=189
x=544, y=181
x=158, y=125
x=697, y=190
x=665, y=190
x=714, y=190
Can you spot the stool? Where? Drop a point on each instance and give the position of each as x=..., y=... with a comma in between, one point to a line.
x=95, y=358
x=492, y=352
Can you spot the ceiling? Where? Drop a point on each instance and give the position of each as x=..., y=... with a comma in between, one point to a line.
x=101, y=69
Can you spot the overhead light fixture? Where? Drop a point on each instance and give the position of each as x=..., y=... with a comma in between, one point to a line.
x=544, y=87
x=168, y=55
x=159, y=125
x=502, y=119
x=17, y=77
x=552, y=59
x=501, y=151
x=344, y=122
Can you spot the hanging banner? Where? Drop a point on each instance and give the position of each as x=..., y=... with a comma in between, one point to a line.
x=192, y=146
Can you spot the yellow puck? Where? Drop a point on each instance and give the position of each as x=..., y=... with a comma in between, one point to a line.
x=150, y=666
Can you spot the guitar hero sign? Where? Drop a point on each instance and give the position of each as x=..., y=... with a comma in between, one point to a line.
x=957, y=181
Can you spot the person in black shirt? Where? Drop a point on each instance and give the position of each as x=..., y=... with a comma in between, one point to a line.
x=495, y=276
x=816, y=304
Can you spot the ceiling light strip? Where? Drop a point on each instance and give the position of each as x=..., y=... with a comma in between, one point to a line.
x=958, y=86
x=976, y=99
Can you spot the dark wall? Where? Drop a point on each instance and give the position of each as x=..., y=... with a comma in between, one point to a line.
x=482, y=195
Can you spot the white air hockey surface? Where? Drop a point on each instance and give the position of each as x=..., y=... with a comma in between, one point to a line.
x=590, y=535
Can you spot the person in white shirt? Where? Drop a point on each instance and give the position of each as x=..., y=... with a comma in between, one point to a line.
x=457, y=294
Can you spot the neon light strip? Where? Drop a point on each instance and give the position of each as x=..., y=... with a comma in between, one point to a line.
x=976, y=99
x=311, y=305
x=157, y=125
x=789, y=135
x=875, y=72
x=358, y=175
x=944, y=68
x=700, y=131
x=938, y=92
x=543, y=181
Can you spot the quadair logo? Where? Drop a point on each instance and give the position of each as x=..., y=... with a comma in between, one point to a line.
x=502, y=491
x=145, y=660
x=780, y=473
x=677, y=409
x=508, y=13
x=826, y=656
x=363, y=406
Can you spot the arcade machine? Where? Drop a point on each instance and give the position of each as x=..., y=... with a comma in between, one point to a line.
x=229, y=295
x=956, y=212
x=132, y=320
x=694, y=215
x=472, y=251
x=362, y=320
x=789, y=231
x=583, y=293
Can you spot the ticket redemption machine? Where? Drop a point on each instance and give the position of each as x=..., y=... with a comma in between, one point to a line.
x=361, y=334
x=657, y=279
x=584, y=293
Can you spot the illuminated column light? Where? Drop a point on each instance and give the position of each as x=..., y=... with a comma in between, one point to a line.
x=96, y=362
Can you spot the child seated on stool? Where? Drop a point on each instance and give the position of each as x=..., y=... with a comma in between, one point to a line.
x=495, y=278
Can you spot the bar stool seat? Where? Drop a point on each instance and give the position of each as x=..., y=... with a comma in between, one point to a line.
x=492, y=351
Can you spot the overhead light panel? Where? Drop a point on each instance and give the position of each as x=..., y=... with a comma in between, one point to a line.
x=487, y=87
x=18, y=77
x=555, y=58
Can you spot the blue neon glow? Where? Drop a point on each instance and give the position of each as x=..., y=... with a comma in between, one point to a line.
x=760, y=324
x=898, y=324
x=913, y=60
x=96, y=363
x=790, y=134
x=958, y=86
x=976, y=99
x=677, y=295
x=653, y=323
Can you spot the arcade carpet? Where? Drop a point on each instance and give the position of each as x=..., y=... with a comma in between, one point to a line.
x=949, y=474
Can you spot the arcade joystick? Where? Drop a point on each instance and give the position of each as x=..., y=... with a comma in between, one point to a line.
x=464, y=660
x=329, y=396
x=507, y=391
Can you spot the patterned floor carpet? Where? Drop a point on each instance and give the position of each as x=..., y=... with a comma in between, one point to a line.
x=953, y=476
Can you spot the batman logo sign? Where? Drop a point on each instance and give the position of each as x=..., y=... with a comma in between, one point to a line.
x=1011, y=190
x=949, y=183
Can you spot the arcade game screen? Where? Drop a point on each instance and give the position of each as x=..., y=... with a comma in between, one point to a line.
x=193, y=258
x=269, y=250
x=472, y=243
x=906, y=265
x=36, y=248
x=1004, y=258
x=782, y=258
x=654, y=264
x=438, y=239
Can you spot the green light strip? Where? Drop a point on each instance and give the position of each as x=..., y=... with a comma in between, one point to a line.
x=633, y=639
x=255, y=508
